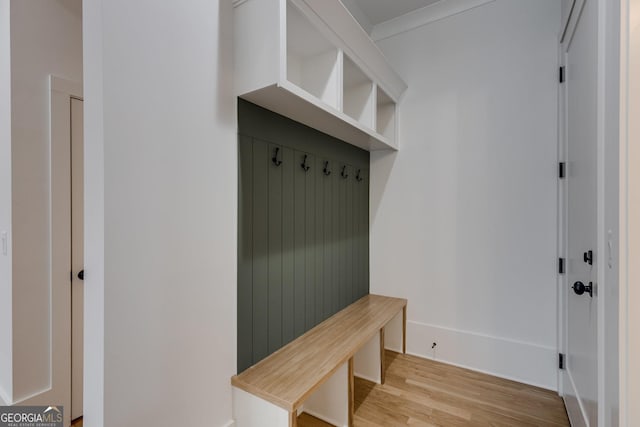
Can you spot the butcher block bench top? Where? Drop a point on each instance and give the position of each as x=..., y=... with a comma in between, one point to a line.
x=288, y=376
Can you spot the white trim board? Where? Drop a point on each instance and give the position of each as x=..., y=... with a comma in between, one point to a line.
x=423, y=16
x=524, y=362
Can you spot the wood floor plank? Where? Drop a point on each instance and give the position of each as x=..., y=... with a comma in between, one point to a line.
x=420, y=392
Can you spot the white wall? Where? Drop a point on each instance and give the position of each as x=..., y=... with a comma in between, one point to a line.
x=46, y=39
x=6, y=377
x=463, y=217
x=161, y=213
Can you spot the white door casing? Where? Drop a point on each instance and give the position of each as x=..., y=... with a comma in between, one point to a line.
x=77, y=255
x=579, y=379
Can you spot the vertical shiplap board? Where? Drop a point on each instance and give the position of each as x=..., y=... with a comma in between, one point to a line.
x=310, y=247
x=260, y=250
x=289, y=159
x=349, y=234
x=328, y=229
x=364, y=234
x=320, y=239
x=245, y=251
x=299, y=253
x=342, y=213
x=299, y=243
x=274, y=234
x=357, y=230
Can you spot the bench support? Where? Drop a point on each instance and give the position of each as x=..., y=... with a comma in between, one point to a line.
x=352, y=404
x=250, y=410
x=330, y=401
x=382, y=361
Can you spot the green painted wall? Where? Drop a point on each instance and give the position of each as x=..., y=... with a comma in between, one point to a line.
x=303, y=236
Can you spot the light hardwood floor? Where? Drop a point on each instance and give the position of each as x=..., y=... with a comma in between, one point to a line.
x=422, y=392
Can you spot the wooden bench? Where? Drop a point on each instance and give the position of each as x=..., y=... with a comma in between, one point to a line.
x=315, y=372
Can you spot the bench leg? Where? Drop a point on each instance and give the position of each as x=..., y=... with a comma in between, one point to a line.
x=382, y=361
x=351, y=393
x=293, y=418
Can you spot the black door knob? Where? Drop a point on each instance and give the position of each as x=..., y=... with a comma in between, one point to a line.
x=580, y=288
x=81, y=275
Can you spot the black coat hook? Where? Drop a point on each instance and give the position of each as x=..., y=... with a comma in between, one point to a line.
x=326, y=170
x=275, y=159
x=358, y=177
x=344, y=173
x=304, y=165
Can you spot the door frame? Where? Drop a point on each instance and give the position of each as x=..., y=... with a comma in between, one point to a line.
x=629, y=245
x=607, y=141
x=61, y=92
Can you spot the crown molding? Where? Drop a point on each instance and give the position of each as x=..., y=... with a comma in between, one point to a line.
x=423, y=16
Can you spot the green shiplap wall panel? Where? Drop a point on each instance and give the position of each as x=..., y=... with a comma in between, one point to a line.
x=303, y=237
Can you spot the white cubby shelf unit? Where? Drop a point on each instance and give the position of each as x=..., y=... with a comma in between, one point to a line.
x=310, y=60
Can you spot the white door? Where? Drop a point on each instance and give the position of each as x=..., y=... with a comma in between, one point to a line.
x=77, y=256
x=580, y=375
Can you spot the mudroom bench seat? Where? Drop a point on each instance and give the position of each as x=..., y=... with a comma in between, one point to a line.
x=314, y=373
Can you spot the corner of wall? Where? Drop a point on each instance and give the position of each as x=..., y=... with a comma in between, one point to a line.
x=6, y=312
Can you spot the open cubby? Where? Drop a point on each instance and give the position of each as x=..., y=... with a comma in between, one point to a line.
x=312, y=61
x=386, y=115
x=357, y=95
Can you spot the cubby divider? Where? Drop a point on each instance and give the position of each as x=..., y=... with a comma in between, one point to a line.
x=358, y=94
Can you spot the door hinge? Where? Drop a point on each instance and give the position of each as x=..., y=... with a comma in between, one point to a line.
x=561, y=262
x=560, y=361
x=562, y=166
x=561, y=74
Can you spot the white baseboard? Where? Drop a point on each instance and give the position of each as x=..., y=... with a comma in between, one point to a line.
x=4, y=398
x=514, y=360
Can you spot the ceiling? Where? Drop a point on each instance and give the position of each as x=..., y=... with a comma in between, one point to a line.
x=377, y=11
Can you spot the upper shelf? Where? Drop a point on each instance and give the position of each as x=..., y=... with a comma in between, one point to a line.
x=310, y=60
